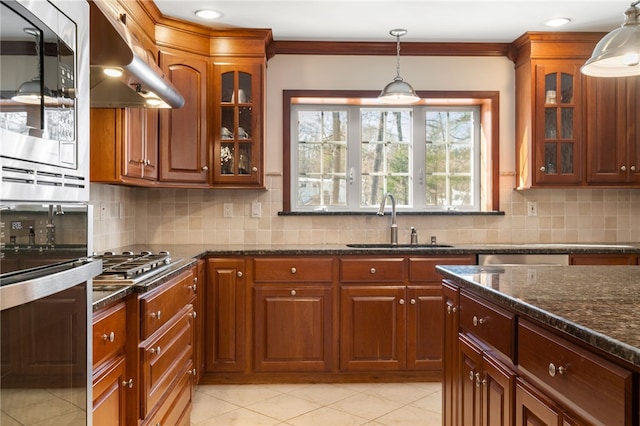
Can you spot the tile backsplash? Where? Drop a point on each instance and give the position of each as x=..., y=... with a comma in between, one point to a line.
x=124, y=216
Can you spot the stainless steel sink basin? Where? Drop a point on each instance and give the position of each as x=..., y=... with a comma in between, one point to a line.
x=398, y=246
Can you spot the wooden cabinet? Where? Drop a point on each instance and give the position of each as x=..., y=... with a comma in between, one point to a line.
x=113, y=383
x=226, y=310
x=534, y=408
x=183, y=131
x=238, y=126
x=450, y=354
x=293, y=314
x=124, y=145
x=199, y=284
x=613, y=135
x=391, y=316
x=549, y=107
x=165, y=349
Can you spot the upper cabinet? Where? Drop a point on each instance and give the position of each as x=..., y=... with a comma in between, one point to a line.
x=613, y=133
x=238, y=123
x=550, y=109
x=183, y=131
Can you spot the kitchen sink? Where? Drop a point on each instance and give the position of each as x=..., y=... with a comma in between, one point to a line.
x=398, y=246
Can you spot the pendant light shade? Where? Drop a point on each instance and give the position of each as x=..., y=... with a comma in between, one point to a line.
x=618, y=53
x=30, y=92
x=398, y=91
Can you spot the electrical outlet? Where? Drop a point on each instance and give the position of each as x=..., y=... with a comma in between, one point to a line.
x=256, y=209
x=227, y=210
x=532, y=208
x=103, y=211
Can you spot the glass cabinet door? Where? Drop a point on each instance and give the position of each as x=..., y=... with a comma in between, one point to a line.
x=239, y=101
x=558, y=122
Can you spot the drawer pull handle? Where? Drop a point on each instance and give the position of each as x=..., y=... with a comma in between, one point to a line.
x=553, y=370
x=128, y=383
x=293, y=292
x=478, y=321
x=110, y=337
x=480, y=382
x=156, y=315
x=193, y=315
x=239, y=274
x=156, y=351
x=294, y=270
x=372, y=271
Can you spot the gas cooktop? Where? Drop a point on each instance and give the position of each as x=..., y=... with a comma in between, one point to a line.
x=130, y=268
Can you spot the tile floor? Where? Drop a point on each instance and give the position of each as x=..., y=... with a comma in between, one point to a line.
x=343, y=404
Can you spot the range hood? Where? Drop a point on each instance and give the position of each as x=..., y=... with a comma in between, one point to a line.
x=142, y=83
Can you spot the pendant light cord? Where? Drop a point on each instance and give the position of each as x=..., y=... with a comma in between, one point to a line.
x=398, y=55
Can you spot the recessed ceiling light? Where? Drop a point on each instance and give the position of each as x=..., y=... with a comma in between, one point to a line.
x=208, y=14
x=557, y=22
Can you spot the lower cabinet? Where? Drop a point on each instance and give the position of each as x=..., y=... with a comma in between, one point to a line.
x=225, y=322
x=554, y=381
x=110, y=394
x=603, y=259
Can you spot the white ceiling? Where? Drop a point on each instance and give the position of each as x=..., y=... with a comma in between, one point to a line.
x=425, y=20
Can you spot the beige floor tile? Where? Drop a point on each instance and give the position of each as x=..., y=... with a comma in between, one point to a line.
x=283, y=407
x=409, y=415
x=239, y=417
x=431, y=402
x=365, y=405
x=241, y=395
x=324, y=394
x=326, y=416
x=398, y=392
x=207, y=407
x=41, y=411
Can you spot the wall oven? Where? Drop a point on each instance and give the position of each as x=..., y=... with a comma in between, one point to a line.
x=45, y=313
x=44, y=100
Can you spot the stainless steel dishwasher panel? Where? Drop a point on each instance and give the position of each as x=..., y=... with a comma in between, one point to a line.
x=523, y=259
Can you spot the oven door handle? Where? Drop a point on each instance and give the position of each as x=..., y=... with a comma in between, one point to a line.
x=33, y=289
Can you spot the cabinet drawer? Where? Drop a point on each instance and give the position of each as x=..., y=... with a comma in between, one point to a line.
x=163, y=358
x=489, y=323
x=372, y=270
x=590, y=385
x=109, y=333
x=424, y=269
x=175, y=410
x=159, y=306
x=292, y=269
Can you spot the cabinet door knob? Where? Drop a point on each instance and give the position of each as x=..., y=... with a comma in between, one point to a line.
x=205, y=168
x=543, y=169
x=479, y=381
x=632, y=168
x=623, y=168
x=156, y=315
x=401, y=301
x=294, y=270
x=193, y=287
x=254, y=169
x=239, y=274
x=412, y=301
x=193, y=314
x=193, y=372
x=471, y=375
x=372, y=270
x=553, y=370
x=127, y=383
x=110, y=337
x=478, y=321
x=451, y=309
x=293, y=292
x=155, y=351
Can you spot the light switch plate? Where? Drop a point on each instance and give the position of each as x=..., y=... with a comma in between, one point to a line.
x=256, y=209
x=227, y=210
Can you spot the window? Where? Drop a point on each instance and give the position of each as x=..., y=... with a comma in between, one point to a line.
x=345, y=152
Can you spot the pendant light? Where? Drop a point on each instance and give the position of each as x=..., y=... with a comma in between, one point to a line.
x=618, y=53
x=398, y=91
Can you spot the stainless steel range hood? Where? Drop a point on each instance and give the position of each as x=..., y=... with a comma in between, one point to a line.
x=142, y=81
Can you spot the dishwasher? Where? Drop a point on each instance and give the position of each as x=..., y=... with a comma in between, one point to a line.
x=505, y=259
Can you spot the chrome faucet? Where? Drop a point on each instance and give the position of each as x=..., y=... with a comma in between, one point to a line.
x=394, y=226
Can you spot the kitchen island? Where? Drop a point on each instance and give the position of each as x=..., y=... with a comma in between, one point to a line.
x=564, y=339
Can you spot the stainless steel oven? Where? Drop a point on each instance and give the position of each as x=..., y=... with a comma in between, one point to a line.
x=44, y=100
x=45, y=313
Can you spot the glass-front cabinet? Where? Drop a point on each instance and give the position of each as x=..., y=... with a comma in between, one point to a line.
x=238, y=124
x=558, y=121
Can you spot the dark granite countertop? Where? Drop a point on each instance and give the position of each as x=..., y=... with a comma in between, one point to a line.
x=596, y=304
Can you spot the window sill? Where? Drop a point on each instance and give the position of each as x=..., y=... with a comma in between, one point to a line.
x=427, y=213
